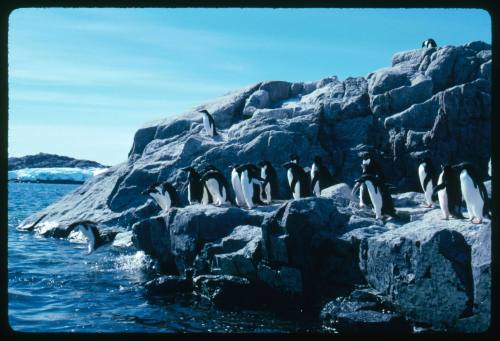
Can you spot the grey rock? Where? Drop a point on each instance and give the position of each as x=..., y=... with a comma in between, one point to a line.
x=362, y=311
x=340, y=193
x=426, y=268
x=258, y=100
x=284, y=279
x=224, y=291
x=167, y=285
x=44, y=160
x=177, y=237
x=277, y=90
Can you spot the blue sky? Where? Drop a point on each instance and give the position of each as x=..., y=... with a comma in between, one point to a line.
x=82, y=81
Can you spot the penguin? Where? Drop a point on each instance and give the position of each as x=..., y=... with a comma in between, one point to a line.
x=294, y=158
x=208, y=123
x=427, y=176
x=449, y=193
x=379, y=195
x=164, y=194
x=297, y=180
x=270, y=187
x=236, y=182
x=369, y=166
x=216, y=185
x=428, y=43
x=195, y=187
x=473, y=191
x=90, y=231
x=320, y=176
x=249, y=178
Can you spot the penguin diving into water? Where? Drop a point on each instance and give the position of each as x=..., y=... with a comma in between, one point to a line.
x=448, y=192
x=474, y=192
x=270, y=187
x=216, y=185
x=251, y=183
x=91, y=233
x=379, y=195
x=164, y=194
x=427, y=176
x=297, y=180
x=428, y=43
x=320, y=176
x=208, y=123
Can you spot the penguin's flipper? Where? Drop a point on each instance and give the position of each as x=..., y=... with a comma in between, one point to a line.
x=438, y=188
x=314, y=180
x=292, y=185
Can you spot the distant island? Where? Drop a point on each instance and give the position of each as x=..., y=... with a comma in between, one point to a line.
x=52, y=168
x=45, y=160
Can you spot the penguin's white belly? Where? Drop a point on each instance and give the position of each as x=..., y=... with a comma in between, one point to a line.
x=296, y=191
x=238, y=191
x=428, y=193
x=361, y=192
x=204, y=199
x=247, y=186
x=213, y=187
x=443, y=198
x=376, y=199
x=421, y=176
x=316, y=189
x=206, y=125
x=189, y=194
x=471, y=195
x=268, y=193
x=163, y=200
x=289, y=176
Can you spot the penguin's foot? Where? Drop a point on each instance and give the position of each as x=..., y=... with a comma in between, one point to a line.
x=445, y=218
x=478, y=221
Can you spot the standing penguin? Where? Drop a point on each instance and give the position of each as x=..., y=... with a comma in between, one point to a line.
x=270, y=187
x=297, y=180
x=449, y=194
x=427, y=176
x=164, y=194
x=428, y=43
x=195, y=187
x=91, y=233
x=369, y=166
x=379, y=195
x=250, y=183
x=473, y=191
x=208, y=123
x=236, y=182
x=320, y=176
x=216, y=185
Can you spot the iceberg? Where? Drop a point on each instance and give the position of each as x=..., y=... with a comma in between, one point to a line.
x=54, y=175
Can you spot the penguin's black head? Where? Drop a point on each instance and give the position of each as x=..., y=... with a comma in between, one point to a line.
x=204, y=112
x=317, y=160
x=425, y=160
x=461, y=166
x=289, y=164
x=294, y=158
x=263, y=163
x=151, y=189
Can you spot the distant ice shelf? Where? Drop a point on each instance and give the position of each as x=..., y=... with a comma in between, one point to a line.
x=54, y=175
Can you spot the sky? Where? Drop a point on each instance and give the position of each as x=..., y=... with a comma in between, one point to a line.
x=82, y=80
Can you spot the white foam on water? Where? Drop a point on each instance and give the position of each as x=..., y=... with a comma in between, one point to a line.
x=133, y=262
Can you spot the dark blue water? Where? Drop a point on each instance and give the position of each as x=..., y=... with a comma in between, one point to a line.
x=55, y=286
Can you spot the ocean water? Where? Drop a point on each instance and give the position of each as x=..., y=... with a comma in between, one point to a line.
x=54, y=286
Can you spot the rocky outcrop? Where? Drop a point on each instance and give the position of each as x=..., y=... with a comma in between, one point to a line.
x=44, y=160
x=432, y=102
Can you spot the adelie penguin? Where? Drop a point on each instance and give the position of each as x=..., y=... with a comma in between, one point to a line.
x=270, y=187
x=474, y=192
x=236, y=183
x=448, y=192
x=428, y=43
x=250, y=184
x=91, y=233
x=428, y=177
x=195, y=187
x=379, y=195
x=297, y=180
x=320, y=176
x=208, y=123
x=216, y=185
x=164, y=194
x=369, y=166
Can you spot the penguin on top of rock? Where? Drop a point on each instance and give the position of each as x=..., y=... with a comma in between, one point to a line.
x=428, y=43
x=474, y=192
x=208, y=123
x=320, y=176
x=428, y=179
x=449, y=193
